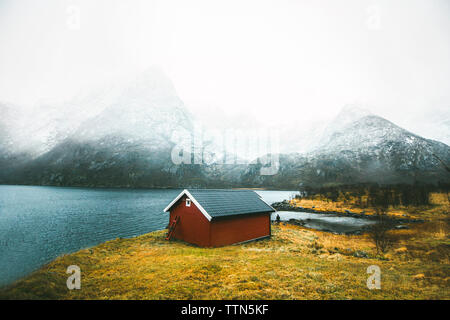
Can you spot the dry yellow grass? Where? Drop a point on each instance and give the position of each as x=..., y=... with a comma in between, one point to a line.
x=439, y=198
x=439, y=207
x=295, y=263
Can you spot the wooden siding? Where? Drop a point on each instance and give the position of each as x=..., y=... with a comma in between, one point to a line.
x=240, y=228
x=193, y=226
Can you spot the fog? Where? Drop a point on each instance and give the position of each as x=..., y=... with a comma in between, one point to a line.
x=291, y=64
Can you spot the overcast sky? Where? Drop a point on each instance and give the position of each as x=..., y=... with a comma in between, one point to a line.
x=273, y=61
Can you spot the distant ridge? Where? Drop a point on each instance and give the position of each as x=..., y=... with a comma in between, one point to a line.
x=123, y=137
x=360, y=147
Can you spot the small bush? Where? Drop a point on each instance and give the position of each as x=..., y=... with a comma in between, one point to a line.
x=380, y=233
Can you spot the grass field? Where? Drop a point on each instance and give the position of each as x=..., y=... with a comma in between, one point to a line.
x=439, y=207
x=295, y=263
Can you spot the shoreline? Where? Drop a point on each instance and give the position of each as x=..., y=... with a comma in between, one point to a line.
x=286, y=206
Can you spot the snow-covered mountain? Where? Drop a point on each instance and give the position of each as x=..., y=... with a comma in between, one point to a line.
x=12, y=151
x=359, y=147
x=148, y=110
x=127, y=143
x=348, y=115
x=8, y=122
x=36, y=129
x=124, y=135
x=127, y=140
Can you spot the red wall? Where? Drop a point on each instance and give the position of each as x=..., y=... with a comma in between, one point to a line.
x=241, y=228
x=195, y=228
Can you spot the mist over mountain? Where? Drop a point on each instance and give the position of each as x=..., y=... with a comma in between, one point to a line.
x=359, y=147
x=125, y=135
x=13, y=153
x=121, y=137
x=124, y=143
x=437, y=126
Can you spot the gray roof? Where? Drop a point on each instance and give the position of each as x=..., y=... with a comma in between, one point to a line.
x=221, y=203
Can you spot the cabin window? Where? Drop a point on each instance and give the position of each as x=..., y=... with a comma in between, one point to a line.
x=188, y=202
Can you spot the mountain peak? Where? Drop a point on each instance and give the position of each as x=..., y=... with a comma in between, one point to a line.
x=351, y=113
x=149, y=86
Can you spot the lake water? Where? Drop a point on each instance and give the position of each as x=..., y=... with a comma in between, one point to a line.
x=326, y=222
x=37, y=224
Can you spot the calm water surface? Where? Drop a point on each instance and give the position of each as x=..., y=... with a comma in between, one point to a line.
x=326, y=222
x=37, y=224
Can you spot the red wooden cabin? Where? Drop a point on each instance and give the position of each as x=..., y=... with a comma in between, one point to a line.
x=213, y=218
